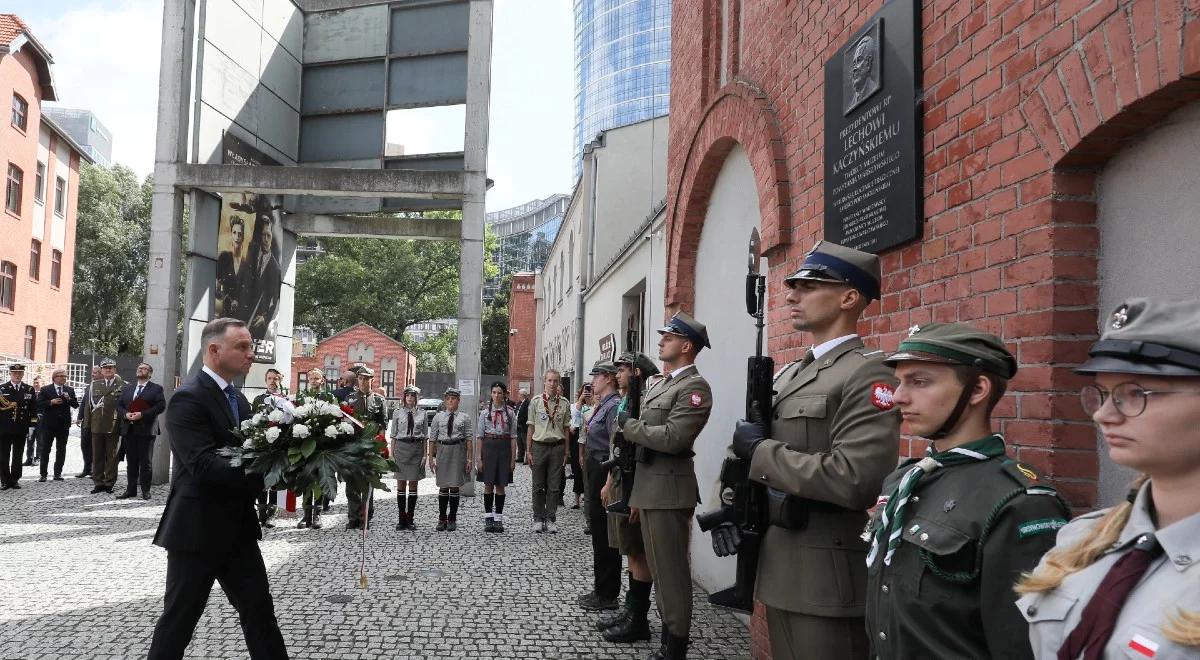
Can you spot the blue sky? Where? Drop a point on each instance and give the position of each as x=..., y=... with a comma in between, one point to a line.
x=106, y=60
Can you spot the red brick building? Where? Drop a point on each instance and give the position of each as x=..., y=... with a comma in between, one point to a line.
x=360, y=344
x=522, y=334
x=1039, y=117
x=40, y=165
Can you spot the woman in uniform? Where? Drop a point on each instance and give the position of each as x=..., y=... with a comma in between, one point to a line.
x=1125, y=581
x=450, y=457
x=407, y=431
x=496, y=452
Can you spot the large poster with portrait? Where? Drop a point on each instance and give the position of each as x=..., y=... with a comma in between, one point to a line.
x=248, y=266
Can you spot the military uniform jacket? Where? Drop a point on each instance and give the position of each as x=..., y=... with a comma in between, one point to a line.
x=969, y=532
x=835, y=438
x=100, y=406
x=368, y=408
x=673, y=413
x=1170, y=585
x=18, y=410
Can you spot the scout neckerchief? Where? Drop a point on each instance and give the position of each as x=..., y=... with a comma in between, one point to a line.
x=499, y=418
x=553, y=412
x=892, y=521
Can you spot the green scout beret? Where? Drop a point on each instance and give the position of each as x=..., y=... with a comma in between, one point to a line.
x=603, y=367
x=687, y=327
x=956, y=344
x=366, y=372
x=830, y=262
x=639, y=360
x=1149, y=336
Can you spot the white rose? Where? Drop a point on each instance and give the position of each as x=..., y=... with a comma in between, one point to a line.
x=272, y=434
x=247, y=423
x=346, y=428
x=248, y=444
x=300, y=431
x=301, y=411
x=257, y=419
x=331, y=431
x=276, y=416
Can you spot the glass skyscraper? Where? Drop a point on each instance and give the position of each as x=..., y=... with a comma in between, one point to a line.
x=622, y=65
x=525, y=235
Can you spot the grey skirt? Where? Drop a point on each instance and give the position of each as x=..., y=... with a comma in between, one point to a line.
x=497, y=461
x=451, y=461
x=410, y=459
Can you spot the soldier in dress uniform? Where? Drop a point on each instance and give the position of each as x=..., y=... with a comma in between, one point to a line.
x=952, y=531
x=368, y=407
x=450, y=455
x=408, y=430
x=834, y=440
x=100, y=414
x=665, y=492
x=18, y=408
x=1124, y=582
x=314, y=389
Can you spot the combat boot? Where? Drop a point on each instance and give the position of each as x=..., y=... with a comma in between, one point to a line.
x=673, y=647
x=635, y=628
x=621, y=616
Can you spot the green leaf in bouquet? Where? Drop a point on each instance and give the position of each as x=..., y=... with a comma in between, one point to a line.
x=294, y=455
x=308, y=447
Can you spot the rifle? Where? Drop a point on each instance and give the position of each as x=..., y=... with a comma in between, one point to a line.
x=624, y=458
x=743, y=501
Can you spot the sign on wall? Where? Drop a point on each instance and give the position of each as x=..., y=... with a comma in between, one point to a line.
x=873, y=164
x=608, y=347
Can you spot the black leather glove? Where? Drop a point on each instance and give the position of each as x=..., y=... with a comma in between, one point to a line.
x=725, y=539
x=622, y=417
x=746, y=436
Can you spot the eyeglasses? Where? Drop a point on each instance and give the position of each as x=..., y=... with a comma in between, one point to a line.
x=1128, y=398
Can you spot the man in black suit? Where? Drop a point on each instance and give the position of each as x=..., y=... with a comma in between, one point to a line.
x=346, y=384
x=209, y=527
x=55, y=402
x=261, y=279
x=139, y=406
x=85, y=431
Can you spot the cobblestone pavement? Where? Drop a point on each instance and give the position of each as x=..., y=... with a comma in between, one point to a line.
x=82, y=580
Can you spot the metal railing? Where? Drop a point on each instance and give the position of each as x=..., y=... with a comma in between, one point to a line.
x=78, y=375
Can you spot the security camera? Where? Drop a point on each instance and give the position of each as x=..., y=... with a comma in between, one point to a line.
x=512, y=331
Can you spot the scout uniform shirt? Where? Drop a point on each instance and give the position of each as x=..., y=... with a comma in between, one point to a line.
x=673, y=414
x=1170, y=585
x=968, y=531
x=408, y=423
x=439, y=431
x=549, y=418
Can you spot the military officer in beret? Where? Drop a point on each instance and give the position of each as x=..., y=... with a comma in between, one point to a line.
x=1123, y=582
x=665, y=492
x=834, y=440
x=18, y=408
x=953, y=531
x=100, y=414
x=368, y=408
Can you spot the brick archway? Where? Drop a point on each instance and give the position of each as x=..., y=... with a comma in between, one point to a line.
x=740, y=114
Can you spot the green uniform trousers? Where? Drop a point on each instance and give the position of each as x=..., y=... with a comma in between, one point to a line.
x=795, y=635
x=665, y=534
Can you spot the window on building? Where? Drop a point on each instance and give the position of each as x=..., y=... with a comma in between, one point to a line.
x=39, y=183
x=60, y=196
x=302, y=381
x=30, y=338
x=35, y=260
x=12, y=191
x=8, y=285
x=55, y=268
x=51, y=345
x=20, y=112
x=389, y=382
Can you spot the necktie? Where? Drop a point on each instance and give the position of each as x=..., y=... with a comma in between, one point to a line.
x=809, y=358
x=450, y=428
x=1099, y=617
x=231, y=396
x=411, y=422
x=58, y=389
x=138, y=391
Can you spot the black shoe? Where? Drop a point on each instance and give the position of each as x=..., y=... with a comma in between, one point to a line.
x=451, y=525
x=575, y=505
x=145, y=493
x=606, y=622
x=441, y=526
x=316, y=521
x=304, y=523
x=3, y=486
x=126, y=495
x=84, y=474
x=354, y=524
x=587, y=530
x=14, y=485
x=28, y=463
x=632, y=629
x=489, y=525
x=109, y=489
x=42, y=479
x=498, y=527
x=673, y=648
x=58, y=477
x=590, y=601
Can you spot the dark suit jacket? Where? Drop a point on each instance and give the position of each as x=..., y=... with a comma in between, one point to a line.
x=60, y=415
x=259, y=289
x=152, y=394
x=211, y=504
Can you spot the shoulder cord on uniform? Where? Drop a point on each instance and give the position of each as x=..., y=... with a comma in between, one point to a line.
x=966, y=577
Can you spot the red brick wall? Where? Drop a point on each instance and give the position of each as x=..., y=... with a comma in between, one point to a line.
x=522, y=315
x=1024, y=102
x=339, y=345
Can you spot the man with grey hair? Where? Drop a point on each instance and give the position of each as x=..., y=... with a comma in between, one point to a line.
x=209, y=527
x=55, y=402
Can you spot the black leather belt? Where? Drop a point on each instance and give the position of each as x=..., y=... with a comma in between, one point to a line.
x=411, y=440
x=552, y=443
x=452, y=442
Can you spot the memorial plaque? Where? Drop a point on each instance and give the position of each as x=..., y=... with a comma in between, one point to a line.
x=873, y=163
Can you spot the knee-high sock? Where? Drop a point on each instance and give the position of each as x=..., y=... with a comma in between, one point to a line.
x=412, y=504
x=443, y=500
x=499, y=503
x=487, y=504
x=453, y=504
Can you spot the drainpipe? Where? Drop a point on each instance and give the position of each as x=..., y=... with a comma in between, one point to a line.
x=589, y=177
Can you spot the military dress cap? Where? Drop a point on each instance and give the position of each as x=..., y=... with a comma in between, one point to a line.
x=366, y=372
x=603, y=367
x=412, y=389
x=451, y=391
x=357, y=368
x=1151, y=336
x=15, y=366
x=107, y=362
x=955, y=344
x=830, y=262
x=687, y=327
x=639, y=360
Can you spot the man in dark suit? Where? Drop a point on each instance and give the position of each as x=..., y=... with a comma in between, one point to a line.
x=209, y=527
x=55, y=402
x=139, y=406
x=85, y=431
x=261, y=279
x=346, y=384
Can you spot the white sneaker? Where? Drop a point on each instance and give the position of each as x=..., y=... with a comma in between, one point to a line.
x=552, y=526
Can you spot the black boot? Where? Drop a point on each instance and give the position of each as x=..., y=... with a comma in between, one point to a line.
x=145, y=492
x=129, y=492
x=622, y=615
x=316, y=518
x=673, y=647
x=306, y=519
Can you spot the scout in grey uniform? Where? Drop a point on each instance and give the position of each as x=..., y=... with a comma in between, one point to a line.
x=408, y=432
x=665, y=492
x=1124, y=582
x=368, y=408
x=450, y=457
x=496, y=454
x=953, y=530
x=834, y=440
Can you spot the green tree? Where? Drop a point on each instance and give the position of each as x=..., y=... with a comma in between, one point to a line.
x=437, y=353
x=494, y=354
x=112, y=249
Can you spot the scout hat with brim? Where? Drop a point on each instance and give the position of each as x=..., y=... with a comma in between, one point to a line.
x=639, y=360
x=830, y=262
x=687, y=327
x=603, y=367
x=956, y=344
x=1150, y=336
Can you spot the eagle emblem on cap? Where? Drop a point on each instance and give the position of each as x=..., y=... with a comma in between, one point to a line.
x=1120, y=317
x=914, y=330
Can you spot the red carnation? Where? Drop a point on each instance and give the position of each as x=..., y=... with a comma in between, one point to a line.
x=347, y=409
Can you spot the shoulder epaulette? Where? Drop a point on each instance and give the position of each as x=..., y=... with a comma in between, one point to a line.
x=1025, y=475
